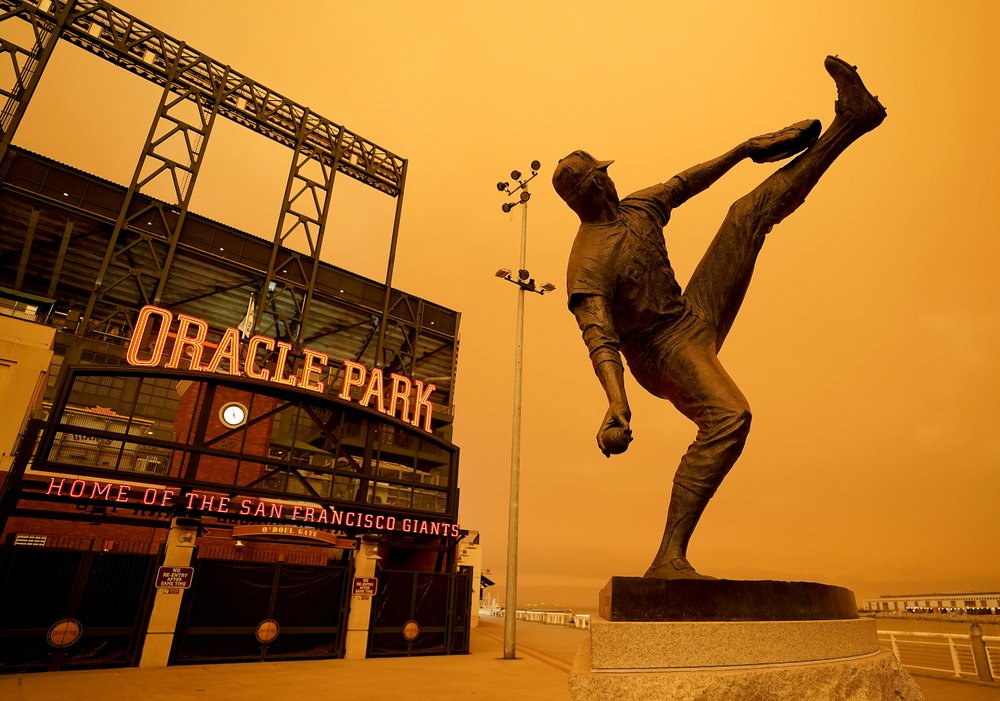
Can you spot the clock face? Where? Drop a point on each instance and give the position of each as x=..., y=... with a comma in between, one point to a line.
x=233, y=415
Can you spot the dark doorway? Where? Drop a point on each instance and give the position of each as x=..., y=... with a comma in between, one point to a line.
x=420, y=613
x=244, y=611
x=68, y=608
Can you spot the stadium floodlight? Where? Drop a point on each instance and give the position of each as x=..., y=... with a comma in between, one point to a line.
x=525, y=283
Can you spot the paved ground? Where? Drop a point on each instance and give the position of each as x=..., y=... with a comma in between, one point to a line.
x=546, y=653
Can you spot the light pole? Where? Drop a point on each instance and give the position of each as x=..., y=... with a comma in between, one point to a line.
x=525, y=283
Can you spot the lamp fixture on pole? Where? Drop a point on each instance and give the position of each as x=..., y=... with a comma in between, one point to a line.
x=525, y=283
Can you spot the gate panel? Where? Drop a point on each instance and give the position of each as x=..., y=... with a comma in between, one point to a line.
x=310, y=608
x=114, y=610
x=229, y=600
x=105, y=594
x=437, y=603
x=226, y=602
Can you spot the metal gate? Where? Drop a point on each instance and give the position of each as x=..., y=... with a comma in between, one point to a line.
x=244, y=611
x=420, y=613
x=62, y=609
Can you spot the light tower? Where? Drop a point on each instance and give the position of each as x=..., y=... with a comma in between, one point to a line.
x=525, y=283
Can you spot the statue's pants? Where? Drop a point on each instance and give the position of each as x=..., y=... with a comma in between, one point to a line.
x=679, y=361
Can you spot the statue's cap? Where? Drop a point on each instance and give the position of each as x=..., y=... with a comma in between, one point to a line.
x=572, y=170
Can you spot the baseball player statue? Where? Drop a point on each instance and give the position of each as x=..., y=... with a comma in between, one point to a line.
x=626, y=300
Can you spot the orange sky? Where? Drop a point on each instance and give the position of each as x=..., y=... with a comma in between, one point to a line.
x=866, y=346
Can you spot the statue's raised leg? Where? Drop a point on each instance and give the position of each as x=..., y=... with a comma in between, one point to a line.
x=719, y=283
x=694, y=380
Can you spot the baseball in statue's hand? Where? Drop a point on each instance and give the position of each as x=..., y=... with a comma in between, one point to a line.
x=614, y=440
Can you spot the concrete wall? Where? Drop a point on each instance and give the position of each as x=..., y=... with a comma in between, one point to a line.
x=25, y=354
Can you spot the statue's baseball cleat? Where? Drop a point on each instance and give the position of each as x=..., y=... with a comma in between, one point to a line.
x=853, y=98
x=786, y=142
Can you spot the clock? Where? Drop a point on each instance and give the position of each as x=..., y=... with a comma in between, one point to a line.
x=233, y=414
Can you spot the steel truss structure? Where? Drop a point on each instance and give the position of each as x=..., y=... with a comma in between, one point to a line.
x=101, y=251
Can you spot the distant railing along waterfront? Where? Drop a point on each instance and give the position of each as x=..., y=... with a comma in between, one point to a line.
x=972, y=656
x=558, y=618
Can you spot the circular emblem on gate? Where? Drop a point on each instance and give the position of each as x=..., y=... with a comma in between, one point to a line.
x=64, y=633
x=411, y=629
x=267, y=630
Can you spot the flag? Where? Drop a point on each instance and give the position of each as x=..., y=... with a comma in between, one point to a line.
x=246, y=326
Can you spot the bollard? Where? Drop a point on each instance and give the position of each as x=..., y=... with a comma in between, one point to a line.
x=979, y=654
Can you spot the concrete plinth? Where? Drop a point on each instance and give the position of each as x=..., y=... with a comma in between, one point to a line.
x=746, y=660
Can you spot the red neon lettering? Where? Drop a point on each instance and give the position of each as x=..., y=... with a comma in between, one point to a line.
x=309, y=514
x=73, y=491
x=423, y=402
x=58, y=488
x=149, y=496
x=276, y=510
x=400, y=392
x=295, y=513
x=390, y=523
x=354, y=376
x=349, y=521
x=123, y=491
x=279, y=366
x=336, y=517
x=229, y=349
x=309, y=369
x=184, y=340
x=322, y=516
x=224, y=504
x=207, y=503
x=191, y=497
x=245, y=507
x=374, y=390
x=95, y=490
x=252, y=345
x=135, y=343
x=168, y=496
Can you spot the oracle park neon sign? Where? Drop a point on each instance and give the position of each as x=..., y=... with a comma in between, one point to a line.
x=231, y=357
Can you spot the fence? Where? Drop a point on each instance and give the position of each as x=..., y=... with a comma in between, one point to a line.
x=559, y=618
x=972, y=656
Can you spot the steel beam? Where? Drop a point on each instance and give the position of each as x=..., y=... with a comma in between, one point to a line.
x=305, y=208
x=29, y=237
x=130, y=43
x=380, y=345
x=27, y=64
x=61, y=257
x=154, y=167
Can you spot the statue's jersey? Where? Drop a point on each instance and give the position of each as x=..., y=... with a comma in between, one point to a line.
x=626, y=262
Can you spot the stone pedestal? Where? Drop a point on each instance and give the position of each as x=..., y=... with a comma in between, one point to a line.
x=835, y=658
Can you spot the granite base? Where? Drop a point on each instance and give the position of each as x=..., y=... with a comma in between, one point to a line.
x=744, y=660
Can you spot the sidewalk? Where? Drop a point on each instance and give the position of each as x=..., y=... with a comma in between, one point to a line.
x=479, y=676
x=541, y=673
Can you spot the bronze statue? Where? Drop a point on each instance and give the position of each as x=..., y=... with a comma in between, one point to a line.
x=627, y=302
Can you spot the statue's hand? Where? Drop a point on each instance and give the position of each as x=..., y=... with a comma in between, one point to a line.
x=615, y=433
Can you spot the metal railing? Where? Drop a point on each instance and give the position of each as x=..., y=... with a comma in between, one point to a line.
x=558, y=618
x=967, y=656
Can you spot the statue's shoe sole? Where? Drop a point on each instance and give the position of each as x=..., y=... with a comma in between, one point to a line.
x=781, y=144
